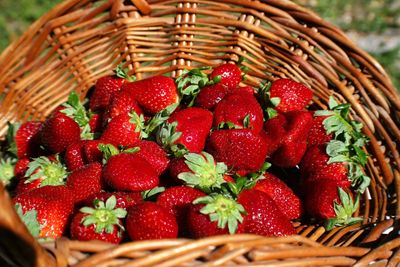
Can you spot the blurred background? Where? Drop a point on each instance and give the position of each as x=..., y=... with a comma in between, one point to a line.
x=373, y=24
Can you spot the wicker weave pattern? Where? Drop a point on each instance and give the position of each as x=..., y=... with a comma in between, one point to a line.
x=81, y=40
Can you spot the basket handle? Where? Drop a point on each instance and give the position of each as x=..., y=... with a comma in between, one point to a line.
x=20, y=246
x=141, y=5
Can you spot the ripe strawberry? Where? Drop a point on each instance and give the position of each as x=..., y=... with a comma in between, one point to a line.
x=284, y=198
x=154, y=155
x=103, y=222
x=293, y=95
x=323, y=199
x=263, y=216
x=85, y=181
x=25, y=139
x=91, y=151
x=40, y=172
x=124, y=130
x=314, y=166
x=58, y=132
x=20, y=167
x=149, y=220
x=274, y=132
x=105, y=87
x=46, y=210
x=240, y=149
x=175, y=167
x=177, y=201
x=73, y=156
x=317, y=134
x=241, y=110
x=129, y=172
x=210, y=95
x=289, y=154
x=298, y=125
x=121, y=102
x=230, y=75
x=124, y=200
x=214, y=215
x=186, y=130
x=96, y=122
x=153, y=94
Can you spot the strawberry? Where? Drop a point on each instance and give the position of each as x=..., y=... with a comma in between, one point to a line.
x=45, y=211
x=121, y=102
x=124, y=200
x=20, y=167
x=186, y=130
x=230, y=75
x=175, y=167
x=24, y=139
x=210, y=95
x=85, y=181
x=284, y=198
x=103, y=222
x=91, y=151
x=292, y=95
x=239, y=111
x=177, y=200
x=105, y=87
x=274, y=132
x=153, y=94
x=263, y=216
x=323, y=199
x=96, y=122
x=298, y=125
x=317, y=134
x=289, y=154
x=240, y=149
x=154, y=155
x=73, y=156
x=58, y=132
x=214, y=215
x=129, y=172
x=40, y=172
x=124, y=130
x=149, y=220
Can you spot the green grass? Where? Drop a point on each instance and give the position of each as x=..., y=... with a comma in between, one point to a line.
x=357, y=15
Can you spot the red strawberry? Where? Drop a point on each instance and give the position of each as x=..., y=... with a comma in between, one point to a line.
x=58, y=132
x=317, y=134
x=241, y=110
x=298, y=125
x=323, y=199
x=104, y=222
x=186, y=129
x=153, y=94
x=314, y=166
x=103, y=91
x=73, y=156
x=177, y=200
x=96, y=122
x=292, y=95
x=124, y=200
x=220, y=215
x=289, y=154
x=121, y=102
x=175, y=167
x=45, y=210
x=263, y=216
x=154, y=155
x=20, y=167
x=85, y=181
x=240, y=149
x=124, y=130
x=210, y=95
x=274, y=132
x=288, y=203
x=27, y=139
x=129, y=172
x=40, y=172
x=230, y=75
x=91, y=151
x=148, y=220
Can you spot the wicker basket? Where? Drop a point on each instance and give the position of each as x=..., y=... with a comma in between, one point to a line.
x=82, y=40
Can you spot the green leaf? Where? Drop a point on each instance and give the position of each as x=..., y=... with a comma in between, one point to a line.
x=271, y=113
x=10, y=137
x=275, y=101
x=7, y=166
x=49, y=172
x=108, y=150
x=332, y=102
x=30, y=220
x=246, y=121
x=159, y=118
x=152, y=193
x=122, y=72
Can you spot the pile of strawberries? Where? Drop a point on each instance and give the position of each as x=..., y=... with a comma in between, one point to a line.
x=193, y=157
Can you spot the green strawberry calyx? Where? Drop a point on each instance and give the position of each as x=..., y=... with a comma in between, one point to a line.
x=347, y=143
x=267, y=102
x=223, y=210
x=159, y=118
x=190, y=83
x=206, y=174
x=167, y=136
x=151, y=194
x=7, y=170
x=344, y=211
x=110, y=150
x=49, y=172
x=105, y=216
x=122, y=72
x=10, y=137
x=139, y=121
x=30, y=219
x=75, y=109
